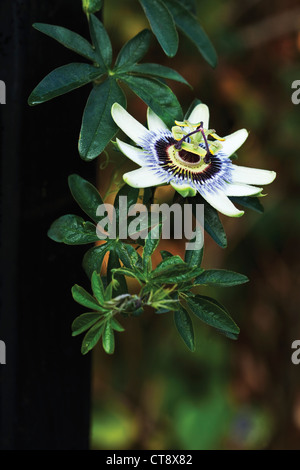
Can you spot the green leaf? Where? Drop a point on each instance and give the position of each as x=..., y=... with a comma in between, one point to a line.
x=116, y=325
x=62, y=80
x=91, y=338
x=169, y=265
x=162, y=25
x=93, y=258
x=190, y=26
x=91, y=6
x=114, y=263
x=128, y=272
x=190, y=5
x=72, y=230
x=157, y=70
x=108, y=339
x=123, y=205
x=250, y=202
x=184, y=326
x=97, y=287
x=165, y=254
x=81, y=296
x=212, y=314
x=101, y=42
x=221, y=278
x=98, y=127
x=151, y=242
x=68, y=38
x=133, y=51
x=194, y=257
x=86, y=196
x=212, y=223
x=84, y=322
x=128, y=255
x=174, y=273
x=158, y=96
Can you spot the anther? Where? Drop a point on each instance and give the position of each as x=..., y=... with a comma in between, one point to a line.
x=178, y=144
x=207, y=158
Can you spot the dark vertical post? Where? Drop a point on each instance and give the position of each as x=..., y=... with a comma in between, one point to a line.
x=45, y=383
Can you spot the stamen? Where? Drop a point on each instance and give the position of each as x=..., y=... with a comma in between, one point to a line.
x=178, y=144
x=207, y=158
x=208, y=155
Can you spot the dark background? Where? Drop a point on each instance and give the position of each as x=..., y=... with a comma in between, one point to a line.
x=152, y=393
x=45, y=384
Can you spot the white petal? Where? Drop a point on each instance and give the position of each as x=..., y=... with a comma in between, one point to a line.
x=234, y=141
x=200, y=113
x=154, y=121
x=235, y=189
x=142, y=178
x=127, y=123
x=222, y=204
x=184, y=189
x=244, y=174
x=135, y=154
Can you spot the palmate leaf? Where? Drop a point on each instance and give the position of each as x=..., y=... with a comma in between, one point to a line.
x=114, y=263
x=190, y=5
x=126, y=197
x=151, y=243
x=62, y=80
x=184, y=327
x=101, y=42
x=171, y=270
x=72, y=230
x=128, y=255
x=86, y=196
x=189, y=25
x=221, y=278
x=98, y=127
x=212, y=223
x=157, y=71
x=98, y=288
x=93, y=258
x=158, y=96
x=250, y=202
x=69, y=39
x=116, y=325
x=177, y=274
x=84, y=322
x=162, y=25
x=193, y=257
x=108, y=338
x=133, y=51
x=81, y=296
x=92, y=337
x=213, y=314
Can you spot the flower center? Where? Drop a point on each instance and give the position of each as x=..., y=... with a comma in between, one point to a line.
x=186, y=157
x=186, y=165
x=195, y=142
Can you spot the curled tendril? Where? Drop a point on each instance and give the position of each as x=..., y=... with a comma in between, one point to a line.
x=103, y=165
